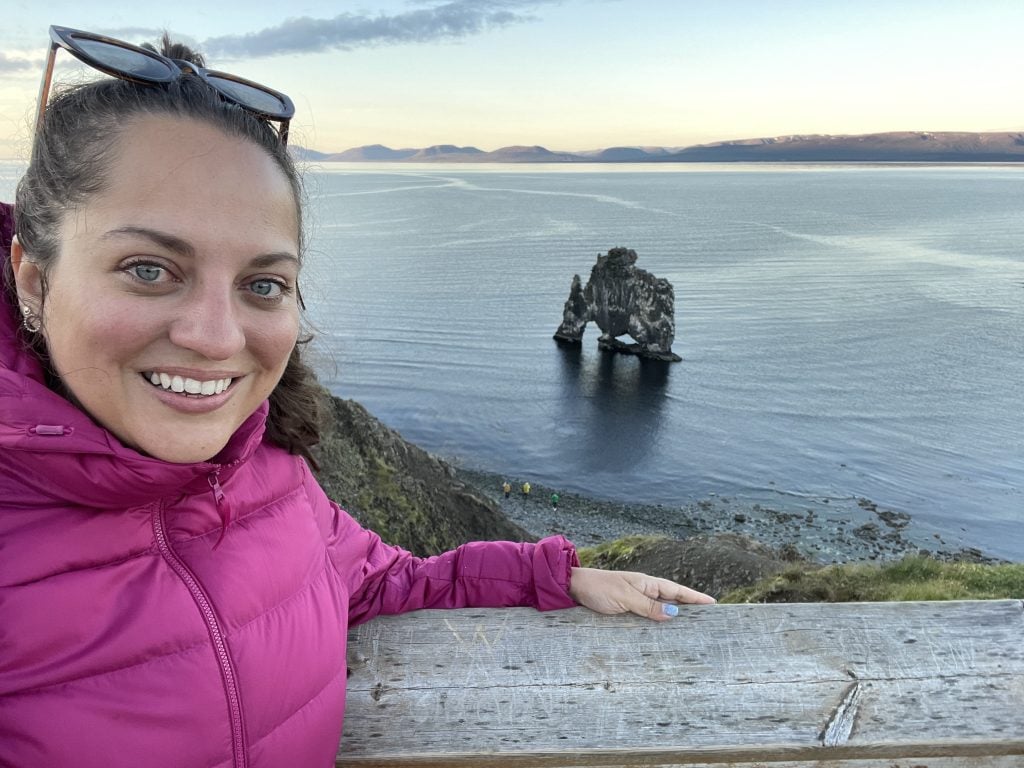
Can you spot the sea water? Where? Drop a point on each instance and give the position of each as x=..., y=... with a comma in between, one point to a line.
x=847, y=332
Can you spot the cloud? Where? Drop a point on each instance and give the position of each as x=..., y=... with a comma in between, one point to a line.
x=448, y=21
x=140, y=35
x=9, y=66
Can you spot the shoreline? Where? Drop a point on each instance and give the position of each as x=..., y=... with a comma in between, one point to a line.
x=820, y=531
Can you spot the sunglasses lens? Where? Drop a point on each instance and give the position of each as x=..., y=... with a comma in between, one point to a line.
x=256, y=99
x=125, y=61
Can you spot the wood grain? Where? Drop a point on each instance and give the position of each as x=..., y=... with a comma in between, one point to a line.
x=857, y=685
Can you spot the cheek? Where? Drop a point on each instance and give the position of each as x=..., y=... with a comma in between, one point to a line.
x=78, y=332
x=272, y=343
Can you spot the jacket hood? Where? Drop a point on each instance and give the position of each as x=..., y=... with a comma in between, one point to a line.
x=54, y=450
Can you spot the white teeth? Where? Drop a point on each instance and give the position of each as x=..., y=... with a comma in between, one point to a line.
x=188, y=386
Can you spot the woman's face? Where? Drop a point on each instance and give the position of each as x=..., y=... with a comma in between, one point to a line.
x=171, y=309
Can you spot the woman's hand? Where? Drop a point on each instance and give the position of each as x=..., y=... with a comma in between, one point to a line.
x=627, y=592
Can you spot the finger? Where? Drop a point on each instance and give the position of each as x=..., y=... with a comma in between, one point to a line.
x=669, y=591
x=644, y=600
x=657, y=598
x=649, y=608
x=662, y=611
x=692, y=596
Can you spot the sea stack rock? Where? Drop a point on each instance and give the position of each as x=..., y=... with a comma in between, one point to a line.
x=623, y=300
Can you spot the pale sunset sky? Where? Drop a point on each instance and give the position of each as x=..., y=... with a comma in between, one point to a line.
x=571, y=75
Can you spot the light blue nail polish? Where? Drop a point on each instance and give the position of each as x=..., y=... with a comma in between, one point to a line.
x=670, y=610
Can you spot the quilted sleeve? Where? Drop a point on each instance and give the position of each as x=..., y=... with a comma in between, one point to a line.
x=383, y=579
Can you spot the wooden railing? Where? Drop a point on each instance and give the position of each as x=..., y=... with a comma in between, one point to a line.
x=854, y=685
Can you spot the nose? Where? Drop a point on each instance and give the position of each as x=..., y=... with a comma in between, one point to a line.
x=209, y=323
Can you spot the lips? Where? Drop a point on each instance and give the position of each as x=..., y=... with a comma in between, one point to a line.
x=185, y=385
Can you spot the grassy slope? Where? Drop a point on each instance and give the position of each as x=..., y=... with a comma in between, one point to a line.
x=407, y=496
x=913, y=578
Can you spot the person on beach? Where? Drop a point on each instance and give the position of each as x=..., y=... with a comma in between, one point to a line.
x=506, y=488
x=526, y=489
x=554, y=501
x=175, y=587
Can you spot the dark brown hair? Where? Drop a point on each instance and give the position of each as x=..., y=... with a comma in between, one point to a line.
x=74, y=147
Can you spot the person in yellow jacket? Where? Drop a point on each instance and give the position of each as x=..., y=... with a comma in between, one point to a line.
x=506, y=488
x=526, y=489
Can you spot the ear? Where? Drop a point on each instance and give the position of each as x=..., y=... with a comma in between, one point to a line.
x=27, y=277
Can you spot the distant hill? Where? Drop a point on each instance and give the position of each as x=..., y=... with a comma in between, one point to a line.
x=448, y=152
x=534, y=154
x=373, y=153
x=904, y=146
x=901, y=146
x=306, y=155
x=628, y=155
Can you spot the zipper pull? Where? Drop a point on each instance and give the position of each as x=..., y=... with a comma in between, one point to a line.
x=50, y=429
x=223, y=507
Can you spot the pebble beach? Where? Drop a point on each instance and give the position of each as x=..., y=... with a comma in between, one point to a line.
x=824, y=531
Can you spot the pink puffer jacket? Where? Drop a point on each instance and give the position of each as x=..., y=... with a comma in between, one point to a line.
x=129, y=636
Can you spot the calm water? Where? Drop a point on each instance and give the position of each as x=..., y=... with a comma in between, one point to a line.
x=845, y=332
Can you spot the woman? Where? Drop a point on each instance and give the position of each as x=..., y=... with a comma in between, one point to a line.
x=175, y=588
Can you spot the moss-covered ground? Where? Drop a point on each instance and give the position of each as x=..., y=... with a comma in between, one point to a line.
x=915, y=577
x=613, y=554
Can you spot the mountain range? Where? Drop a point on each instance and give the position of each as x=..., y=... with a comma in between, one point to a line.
x=901, y=146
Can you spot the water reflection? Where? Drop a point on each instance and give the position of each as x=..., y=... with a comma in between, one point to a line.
x=612, y=406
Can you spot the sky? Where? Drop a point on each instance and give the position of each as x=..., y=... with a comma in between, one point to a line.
x=573, y=74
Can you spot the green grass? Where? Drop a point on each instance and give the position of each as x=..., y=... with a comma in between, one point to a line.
x=914, y=577
x=611, y=554
x=387, y=509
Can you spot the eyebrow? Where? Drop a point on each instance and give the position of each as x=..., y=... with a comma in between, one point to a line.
x=184, y=248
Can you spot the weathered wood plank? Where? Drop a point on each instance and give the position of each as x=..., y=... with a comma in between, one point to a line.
x=920, y=761
x=1012, y=761
x=789, y=685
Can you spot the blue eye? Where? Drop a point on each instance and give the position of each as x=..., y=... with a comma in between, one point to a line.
x=147, y=272
x=267, y=289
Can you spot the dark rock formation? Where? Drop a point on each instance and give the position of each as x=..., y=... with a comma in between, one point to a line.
x=400, y=491
x=623, y=300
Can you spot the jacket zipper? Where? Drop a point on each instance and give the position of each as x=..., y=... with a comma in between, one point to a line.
x=227, y=670
x=223, y=507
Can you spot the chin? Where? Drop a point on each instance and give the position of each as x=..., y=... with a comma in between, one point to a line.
x=182, y=456
x=186, y=457
x=192, y=452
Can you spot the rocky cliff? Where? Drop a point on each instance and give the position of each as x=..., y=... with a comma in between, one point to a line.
x=409, y=497
x=623, y=300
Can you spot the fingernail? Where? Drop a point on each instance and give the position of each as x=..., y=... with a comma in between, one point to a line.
x=670, y=610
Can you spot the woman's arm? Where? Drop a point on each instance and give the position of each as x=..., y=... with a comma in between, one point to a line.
x=385, y=579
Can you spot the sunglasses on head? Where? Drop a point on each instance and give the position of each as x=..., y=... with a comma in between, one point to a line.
x=130, y=62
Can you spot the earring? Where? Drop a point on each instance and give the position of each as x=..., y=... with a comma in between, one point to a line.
x=29, y=319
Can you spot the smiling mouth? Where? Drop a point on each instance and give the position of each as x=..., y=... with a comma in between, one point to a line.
x=186, y=386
